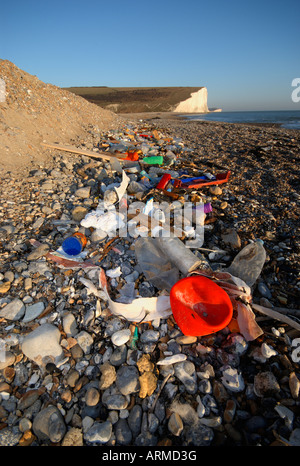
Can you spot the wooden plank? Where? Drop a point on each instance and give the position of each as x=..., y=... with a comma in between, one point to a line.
x=88, y=153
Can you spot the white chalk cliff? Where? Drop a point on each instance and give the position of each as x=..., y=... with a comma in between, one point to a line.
x=197, y=103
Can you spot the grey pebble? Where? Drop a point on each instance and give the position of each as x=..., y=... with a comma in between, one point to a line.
x=99, y=433
x=15, y=310
x=33, y=311
x=49, y=425
x=135, y=419
x=122, y=432
x=128, y=380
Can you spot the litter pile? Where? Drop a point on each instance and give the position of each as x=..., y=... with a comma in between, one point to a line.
x=120, y=326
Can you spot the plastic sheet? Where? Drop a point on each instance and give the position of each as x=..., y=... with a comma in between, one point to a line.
x=156, y=266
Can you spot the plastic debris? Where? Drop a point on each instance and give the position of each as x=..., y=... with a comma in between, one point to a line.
x=156, y=266
x=74, y=244
x=140, y=309
x=91, y=288
x=121, y=190
x=249, y=262
x=105, y=219
x=200, y=307
x=240, y=295
x=181, y=256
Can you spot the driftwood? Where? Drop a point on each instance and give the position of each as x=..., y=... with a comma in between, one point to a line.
x=88, y=153
x=276, y=315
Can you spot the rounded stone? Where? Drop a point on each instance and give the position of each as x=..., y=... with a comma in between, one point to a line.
x=73, y=438
x=92, y=396
x=85, y=341
x=4, y=287
x=135, y=419
x=33, y=311
x=121, y=337
x=265, y=384
x=7, y=360
x=215, y=190
x=149, y=336
x=175, y=424
x=78, y=213
x=186, y=373
x=42, y=344
x=83, y=193
x=99, y=433
x=122, y=432
x=186, y=340
x=108, y=376
x=49, y=425
x=72, y=378
x=119, y=356
x=128, y=380
x=15, y=310
x=69, y=325
x=25, y=424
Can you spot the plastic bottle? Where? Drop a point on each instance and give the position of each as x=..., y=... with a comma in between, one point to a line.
x=164, y=181
x=74, y=244
x=153, y=160
x=248, y=263
x=180, y=255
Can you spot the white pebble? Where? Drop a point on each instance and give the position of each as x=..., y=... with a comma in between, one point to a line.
x=172, y=359
x=114, y=273
x=232, y=380
x=267, y=351
x=275, y=332
x=121, y=337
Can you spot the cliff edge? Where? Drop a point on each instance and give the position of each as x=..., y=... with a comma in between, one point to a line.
x=196, y=103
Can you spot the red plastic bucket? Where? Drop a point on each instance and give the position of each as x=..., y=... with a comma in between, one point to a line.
x=200, y=306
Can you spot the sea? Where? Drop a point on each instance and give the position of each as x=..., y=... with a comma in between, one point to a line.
x=284, y=118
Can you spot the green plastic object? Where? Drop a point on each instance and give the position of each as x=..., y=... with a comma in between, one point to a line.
x=134, y=338
x=154, y=160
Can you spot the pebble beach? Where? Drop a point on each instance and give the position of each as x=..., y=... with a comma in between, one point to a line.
x=74, y=374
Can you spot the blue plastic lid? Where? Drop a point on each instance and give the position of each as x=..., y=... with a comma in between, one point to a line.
x=72, y=246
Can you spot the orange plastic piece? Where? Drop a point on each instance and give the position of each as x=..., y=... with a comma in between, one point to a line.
x=200, y=306
x=81, y=237
x=234, y=326
x=133, y=155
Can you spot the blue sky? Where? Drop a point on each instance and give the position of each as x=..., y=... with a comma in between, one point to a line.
x=245, y=52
